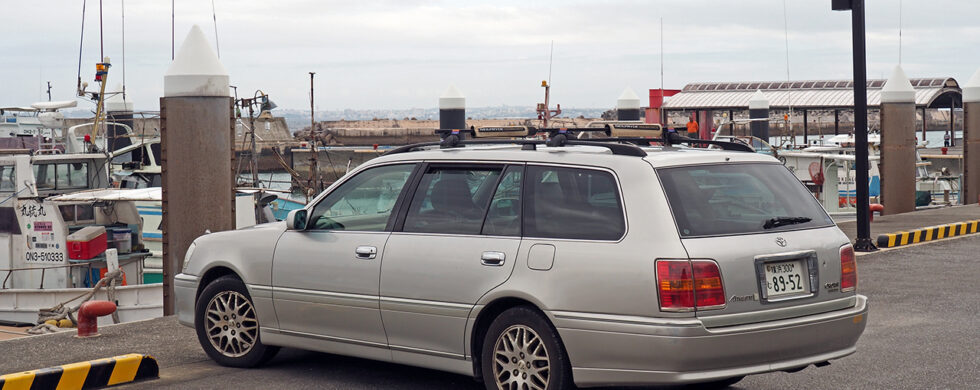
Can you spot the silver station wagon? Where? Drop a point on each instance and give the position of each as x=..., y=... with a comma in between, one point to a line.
x=532, y=264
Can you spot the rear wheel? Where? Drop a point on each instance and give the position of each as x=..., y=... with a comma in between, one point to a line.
x=227, y=326
x=522, y=351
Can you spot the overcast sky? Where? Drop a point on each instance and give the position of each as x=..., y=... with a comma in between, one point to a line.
x=404, y=53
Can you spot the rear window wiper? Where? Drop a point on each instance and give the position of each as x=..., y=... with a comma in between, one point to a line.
x=775, y=222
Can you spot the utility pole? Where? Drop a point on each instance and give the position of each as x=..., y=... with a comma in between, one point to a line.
x=314, y=166
x=863, y=242
x=49, y=91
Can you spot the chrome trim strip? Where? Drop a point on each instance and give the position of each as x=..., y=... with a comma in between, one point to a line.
x=324, y=293
x=185, y=278
x=427, y=352
x=636, y=320
x=859, y=306
x=260, y=287
x=713, y=322
x=332, y=338
x=427, y=303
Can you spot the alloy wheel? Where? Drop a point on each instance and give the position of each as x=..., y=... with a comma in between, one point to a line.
x=520, y=360
x=230, y=324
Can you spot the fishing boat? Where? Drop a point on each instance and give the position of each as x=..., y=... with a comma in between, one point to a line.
x=40, y=266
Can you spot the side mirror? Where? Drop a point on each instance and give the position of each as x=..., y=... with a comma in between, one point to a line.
x=296, y=220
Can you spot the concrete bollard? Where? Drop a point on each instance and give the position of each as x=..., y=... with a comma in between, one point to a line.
x=971, y=139
x=452, y=110
x=197, y=135
x=628, y=106
x=88, y=317
x=759, y=114
x=119, y=110
x=898, y=144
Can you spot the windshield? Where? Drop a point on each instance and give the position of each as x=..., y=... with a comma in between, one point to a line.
x=711, y=200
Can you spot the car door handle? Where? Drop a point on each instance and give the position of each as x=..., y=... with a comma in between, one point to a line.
x=366, y=252
x=493, y=259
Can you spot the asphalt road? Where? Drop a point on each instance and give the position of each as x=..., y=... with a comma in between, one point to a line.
x=921, y=334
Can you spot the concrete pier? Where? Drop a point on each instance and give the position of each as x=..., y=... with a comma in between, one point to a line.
x=452, y=110
x=971, y=140
x=628, y=106
x=897, y=144
x=759, y=109
x=197, y=132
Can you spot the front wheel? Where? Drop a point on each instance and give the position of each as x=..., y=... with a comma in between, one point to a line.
x=522, y=351
x=227, y=327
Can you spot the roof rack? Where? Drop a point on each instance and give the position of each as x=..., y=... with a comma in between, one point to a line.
x=621, y=139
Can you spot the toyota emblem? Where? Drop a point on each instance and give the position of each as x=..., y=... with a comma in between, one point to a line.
x=781, y=241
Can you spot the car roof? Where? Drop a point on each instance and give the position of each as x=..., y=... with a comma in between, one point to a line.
x=658, y=156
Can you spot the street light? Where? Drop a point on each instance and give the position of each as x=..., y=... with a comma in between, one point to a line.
x=863, y=242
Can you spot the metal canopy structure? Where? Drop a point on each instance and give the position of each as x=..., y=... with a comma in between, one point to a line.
x=809, y=94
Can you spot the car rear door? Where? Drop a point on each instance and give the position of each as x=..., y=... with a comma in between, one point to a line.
x=458, y=240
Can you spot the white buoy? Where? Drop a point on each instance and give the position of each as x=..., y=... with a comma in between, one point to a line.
x=196, y=70
x=628, y=106
x=898, y=89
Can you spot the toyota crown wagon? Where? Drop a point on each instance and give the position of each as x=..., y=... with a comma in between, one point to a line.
x=541, y=268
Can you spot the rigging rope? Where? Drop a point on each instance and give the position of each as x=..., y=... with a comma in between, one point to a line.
x=81, y=40
x=62, y=311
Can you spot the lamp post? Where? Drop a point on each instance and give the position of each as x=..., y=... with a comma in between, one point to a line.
x=863, y=242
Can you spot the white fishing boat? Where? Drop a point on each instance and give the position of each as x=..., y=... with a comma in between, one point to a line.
x=39, y=266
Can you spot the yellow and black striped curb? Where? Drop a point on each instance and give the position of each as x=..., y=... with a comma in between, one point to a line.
x=92, y=374
x=931, y=233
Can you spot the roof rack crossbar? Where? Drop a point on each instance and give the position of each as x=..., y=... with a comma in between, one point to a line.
x=615, y=148
x=626, y=146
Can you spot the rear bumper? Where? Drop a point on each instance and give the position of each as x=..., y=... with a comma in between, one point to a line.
x=618, y=351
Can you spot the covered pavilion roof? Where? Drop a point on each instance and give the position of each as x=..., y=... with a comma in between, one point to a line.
x=808, y=94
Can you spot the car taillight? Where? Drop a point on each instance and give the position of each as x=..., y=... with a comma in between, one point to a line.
x=848, y=269
x=684, y=285
x=708, y=291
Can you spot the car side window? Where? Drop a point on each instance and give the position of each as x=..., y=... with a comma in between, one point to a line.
x=504, y=215
x=364, y=202
x=572, y=203
x=452, y=200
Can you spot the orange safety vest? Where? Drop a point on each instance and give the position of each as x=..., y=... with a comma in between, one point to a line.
x=692, y=127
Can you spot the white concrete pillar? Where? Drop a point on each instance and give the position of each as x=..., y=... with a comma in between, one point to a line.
x=628, y=106
x=759, y=109
x=196, y=152
x=897, y=144
x=971, y=140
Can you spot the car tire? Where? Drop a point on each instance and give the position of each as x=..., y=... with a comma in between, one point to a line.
x=227, y=326
x=522, y=348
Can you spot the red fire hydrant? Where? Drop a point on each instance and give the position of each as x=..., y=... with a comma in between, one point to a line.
x=88, y=316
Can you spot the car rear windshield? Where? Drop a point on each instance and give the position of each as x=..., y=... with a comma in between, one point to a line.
x=725, y=199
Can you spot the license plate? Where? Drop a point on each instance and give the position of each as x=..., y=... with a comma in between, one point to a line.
x=786, y=278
